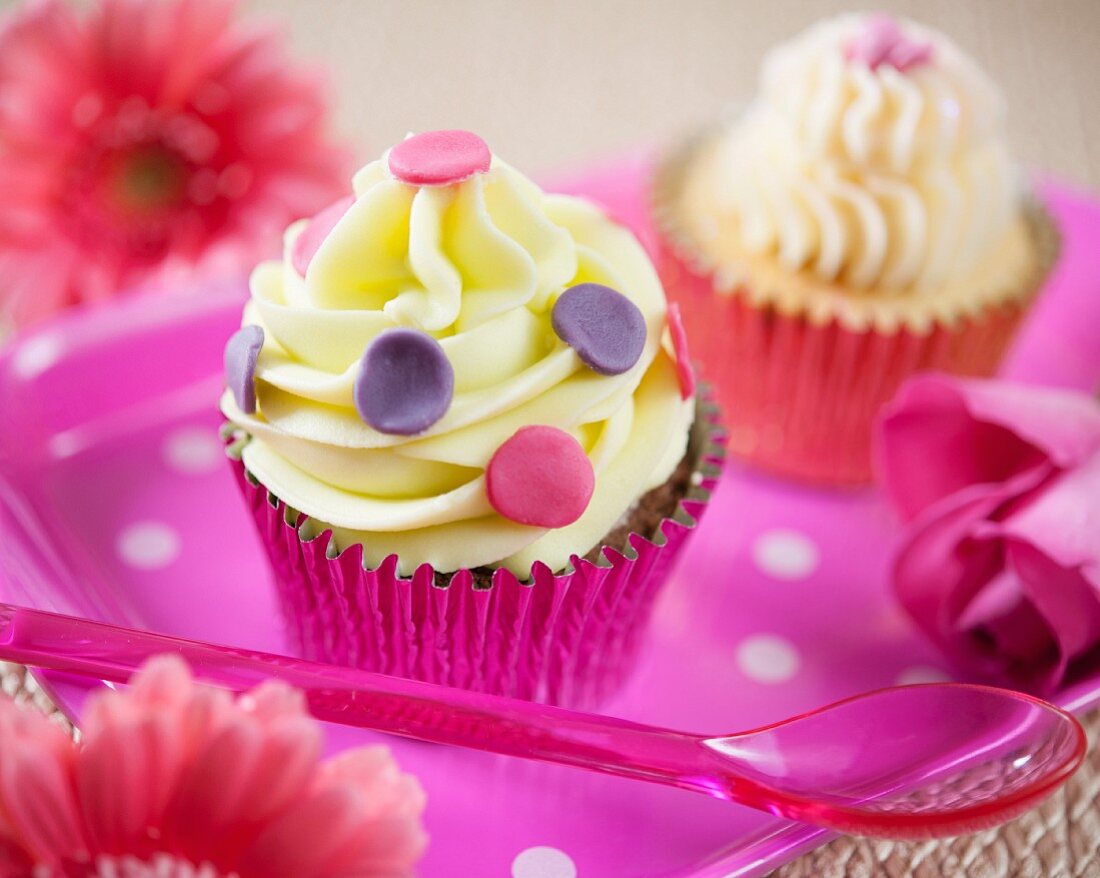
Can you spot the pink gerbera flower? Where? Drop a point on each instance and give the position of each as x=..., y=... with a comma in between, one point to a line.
x=175, y=780
x=145, y=138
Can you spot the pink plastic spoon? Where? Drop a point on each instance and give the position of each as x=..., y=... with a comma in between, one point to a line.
x=909, y=762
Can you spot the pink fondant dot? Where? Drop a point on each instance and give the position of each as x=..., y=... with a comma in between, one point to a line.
x=882, y=41
x=906, y=56
x=684, y=370
x=313, y=235
x=438, y=158
x=541, y=477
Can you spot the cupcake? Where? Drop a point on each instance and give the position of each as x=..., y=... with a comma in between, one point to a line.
x=466, y=426
x=862, y=220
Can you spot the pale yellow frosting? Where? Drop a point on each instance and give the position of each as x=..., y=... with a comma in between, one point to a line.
x=870, y=178
x=1010, y=273
x=478, y=265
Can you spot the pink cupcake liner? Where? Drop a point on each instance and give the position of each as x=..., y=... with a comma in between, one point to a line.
x=801, y=398
x=568, y=639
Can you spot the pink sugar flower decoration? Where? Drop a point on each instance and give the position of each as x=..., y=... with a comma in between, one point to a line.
x=999, y=563
x=176, y=780
x=143, y=140
x=882, y=41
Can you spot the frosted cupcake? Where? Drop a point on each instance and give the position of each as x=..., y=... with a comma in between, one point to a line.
x=468, y=437
x=861, y=221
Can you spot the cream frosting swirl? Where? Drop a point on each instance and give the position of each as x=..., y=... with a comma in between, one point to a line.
x=870, y=176
x=478, y=265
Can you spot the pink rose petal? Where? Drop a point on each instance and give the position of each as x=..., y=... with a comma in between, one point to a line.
x=1064, y=518
x=1065, y=599
x=941, y=434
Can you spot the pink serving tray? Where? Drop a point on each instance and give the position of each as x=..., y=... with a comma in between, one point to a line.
x=115, y=503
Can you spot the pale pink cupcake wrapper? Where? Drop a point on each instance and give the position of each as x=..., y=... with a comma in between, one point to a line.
x=803, y=397
x=801, y=392
x=569, y=638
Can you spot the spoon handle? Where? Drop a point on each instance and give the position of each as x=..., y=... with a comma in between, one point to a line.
x=352, y=697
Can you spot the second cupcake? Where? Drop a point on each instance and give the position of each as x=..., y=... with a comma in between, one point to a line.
x=469, y=441
x=861, y=221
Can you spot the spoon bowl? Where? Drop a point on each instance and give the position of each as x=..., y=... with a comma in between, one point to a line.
x=914, y=761
x=906, y=762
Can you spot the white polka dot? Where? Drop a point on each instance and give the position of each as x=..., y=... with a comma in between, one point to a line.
x=785, y=554
x=922, y=674
x=148, y=545
x=767, y=658
x=36, y=355
x=543, y=862
x=193, y=450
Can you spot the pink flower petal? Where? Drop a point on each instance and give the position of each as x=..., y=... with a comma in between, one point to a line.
x=378, y=831
x=15, y=862
x=289, y=760
x=944, y=562
x=123, y=781
x=1064, y=424
x=308, y=841
x=37, y=792
x=1067, y=600
x=942, y=434
x=1052, y=546
x=1064, y=519
x=1006, y=622
x=206, y=802
x=393, y=837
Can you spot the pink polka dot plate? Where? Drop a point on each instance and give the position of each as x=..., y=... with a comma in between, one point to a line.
x=116, y=504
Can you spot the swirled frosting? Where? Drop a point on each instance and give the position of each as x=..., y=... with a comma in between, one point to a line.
x=866, y=170
x=477, y=265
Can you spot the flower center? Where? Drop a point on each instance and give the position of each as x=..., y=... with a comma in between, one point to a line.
x=128, y=199
x=145, y=181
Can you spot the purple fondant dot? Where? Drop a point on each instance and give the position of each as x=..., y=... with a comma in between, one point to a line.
x=602, y=325
x=405, y=382
x=241, y=353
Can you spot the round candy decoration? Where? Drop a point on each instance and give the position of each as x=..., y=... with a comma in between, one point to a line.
x=439, y=158
x=241, y=353
x=313, y=235
x=405, y=382
x=540, y=477
x=882, y=42
x=684, y=370
x=602, y=325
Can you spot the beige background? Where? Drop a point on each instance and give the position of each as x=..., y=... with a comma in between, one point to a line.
x=550, y=84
